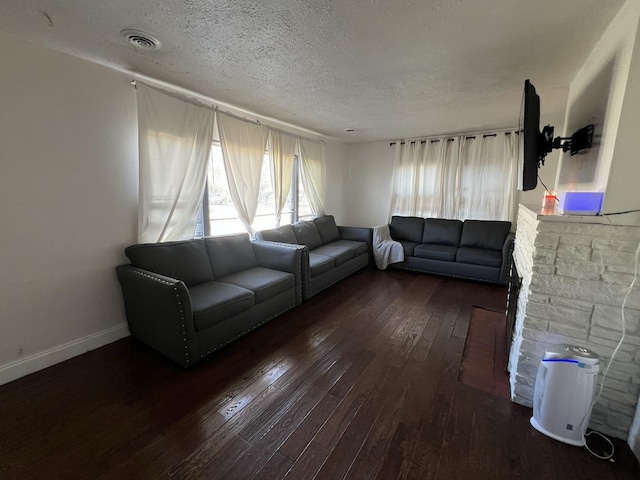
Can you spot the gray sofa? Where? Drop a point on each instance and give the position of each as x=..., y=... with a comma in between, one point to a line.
x=331, y=254
x=473, y=249
x=187, y=299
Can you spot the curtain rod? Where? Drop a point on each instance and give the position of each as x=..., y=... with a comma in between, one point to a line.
x=216, y=104
x=470, y=137
x=196, y=101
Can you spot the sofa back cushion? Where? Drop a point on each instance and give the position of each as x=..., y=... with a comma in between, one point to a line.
x=230, y=254
x=442, y=232
x=327, y=229
x=282, y=234
x=184, y=260
x=307, y=234
x=406, y=228
x=484, y=234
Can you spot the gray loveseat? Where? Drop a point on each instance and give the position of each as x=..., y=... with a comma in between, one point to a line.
x=187, y=299
x=332, y=252
x=473, y=249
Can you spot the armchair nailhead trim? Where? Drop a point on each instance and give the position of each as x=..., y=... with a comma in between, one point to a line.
x=184, y=329
x=180, y=309
x=159, y=280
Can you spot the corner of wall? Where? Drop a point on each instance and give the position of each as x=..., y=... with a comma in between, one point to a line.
x=597, y=95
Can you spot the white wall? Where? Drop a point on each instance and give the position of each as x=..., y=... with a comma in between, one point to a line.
x=596, y=96
x=68, y=204
x=369, y=184
x=337, y=157
x=622, y=186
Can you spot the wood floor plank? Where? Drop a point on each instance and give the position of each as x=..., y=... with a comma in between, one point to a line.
x=308, y=463
x=346, y=382
x=454, y=456
x=276, y=467
x=294, y=445
x=483, y=432
x=367, y=462
x=395, y=462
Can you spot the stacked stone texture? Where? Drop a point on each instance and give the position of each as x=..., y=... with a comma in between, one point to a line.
x=574, y=279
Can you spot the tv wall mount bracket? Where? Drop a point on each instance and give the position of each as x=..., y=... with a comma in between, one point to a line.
x=580, y=141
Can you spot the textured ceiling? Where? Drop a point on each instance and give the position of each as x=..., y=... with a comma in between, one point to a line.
x=390, y=69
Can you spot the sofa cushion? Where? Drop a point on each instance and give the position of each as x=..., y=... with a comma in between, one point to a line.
x=307, y=234
x=408, y=247
x=319, y=264
x=435, y=252
x=358, y=247
x=339, y=254
x=263, y=282
x=479, y=256
x=327, y=229
x=484, y=234
x=184, y=260
x=213, y=302
x=282, y=234
x=230, y=254
x=442, y=232
x=406, y=228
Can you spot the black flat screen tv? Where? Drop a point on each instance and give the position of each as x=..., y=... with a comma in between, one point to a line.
x=536, y=144
x=529, y=128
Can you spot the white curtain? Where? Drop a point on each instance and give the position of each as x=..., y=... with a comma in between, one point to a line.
x=174, y=146
x=460, y=177
x=282, y=150
x=444, y=156
x=405, y=178
x=487, y=181
x=426, y=178
x=243, y=146
x=312, y=162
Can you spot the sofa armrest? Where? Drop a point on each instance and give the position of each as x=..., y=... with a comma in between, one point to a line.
x=507, y=256
x=285, y=257
x=159, y=313
x=358, y=234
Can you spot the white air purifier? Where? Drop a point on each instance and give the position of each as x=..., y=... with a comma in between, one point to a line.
x=564, y=390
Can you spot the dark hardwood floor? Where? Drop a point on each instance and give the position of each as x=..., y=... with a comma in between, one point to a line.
x=359, y=383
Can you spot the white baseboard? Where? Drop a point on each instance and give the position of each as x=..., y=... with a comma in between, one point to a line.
x=33, y=363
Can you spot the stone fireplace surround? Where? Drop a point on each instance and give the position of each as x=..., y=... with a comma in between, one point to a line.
x=575, y=273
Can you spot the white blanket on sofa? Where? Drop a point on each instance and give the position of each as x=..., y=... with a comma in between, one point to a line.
x=385, y=250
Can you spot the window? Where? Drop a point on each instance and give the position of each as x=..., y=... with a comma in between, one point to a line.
x=218, y=205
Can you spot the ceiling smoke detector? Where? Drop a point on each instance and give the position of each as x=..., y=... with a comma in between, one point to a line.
x=141, y=39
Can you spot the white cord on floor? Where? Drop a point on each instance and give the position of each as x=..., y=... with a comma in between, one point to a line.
x=615, y=351
x=601, y=457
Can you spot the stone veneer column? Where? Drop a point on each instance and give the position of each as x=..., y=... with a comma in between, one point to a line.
x=575, y=274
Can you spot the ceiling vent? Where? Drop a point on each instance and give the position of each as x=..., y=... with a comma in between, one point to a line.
x=141, y=39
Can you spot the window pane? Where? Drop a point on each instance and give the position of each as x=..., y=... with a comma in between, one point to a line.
x=266, y=211
x=222, y=214
x=304, y=210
